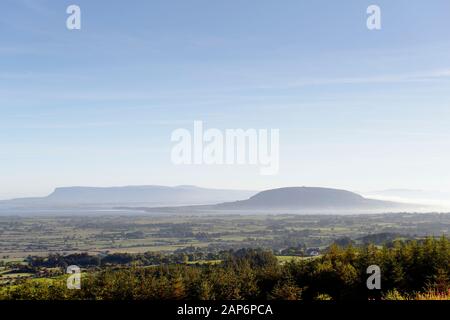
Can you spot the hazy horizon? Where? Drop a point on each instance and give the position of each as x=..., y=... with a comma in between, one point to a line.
x=432, y=200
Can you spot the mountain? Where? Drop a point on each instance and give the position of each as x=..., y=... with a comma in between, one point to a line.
x=307, y=198
x=295, y=200
x=132, y=195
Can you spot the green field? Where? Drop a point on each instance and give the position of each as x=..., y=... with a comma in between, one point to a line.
x=24, y=236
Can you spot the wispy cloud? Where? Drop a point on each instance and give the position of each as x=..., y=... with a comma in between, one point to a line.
x=375, y=79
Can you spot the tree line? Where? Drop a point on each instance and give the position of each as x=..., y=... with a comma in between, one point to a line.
x=408, y=269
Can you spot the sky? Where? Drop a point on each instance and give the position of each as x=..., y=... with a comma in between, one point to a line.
x=356, y=109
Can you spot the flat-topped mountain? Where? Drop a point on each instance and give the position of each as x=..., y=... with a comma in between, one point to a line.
x=134, y=195
x=307, y=198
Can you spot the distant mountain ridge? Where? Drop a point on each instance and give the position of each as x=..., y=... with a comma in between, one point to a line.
x=410, y=194
x=134, y=195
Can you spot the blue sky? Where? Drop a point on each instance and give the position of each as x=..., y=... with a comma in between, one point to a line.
x=357, y=109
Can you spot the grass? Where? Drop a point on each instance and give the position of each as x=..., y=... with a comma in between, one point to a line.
x=284, y=259
x=15, y=275
x=429, y=295
x=205, y=262
x=433, y=295
x=12, y=260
